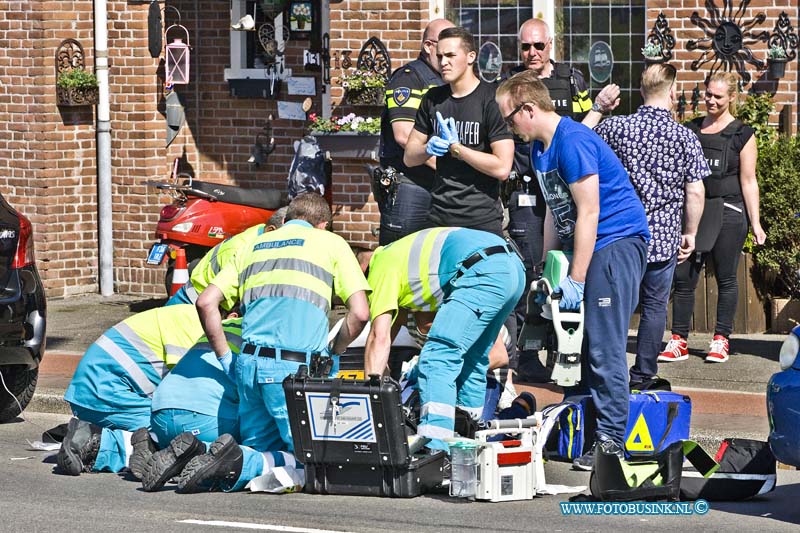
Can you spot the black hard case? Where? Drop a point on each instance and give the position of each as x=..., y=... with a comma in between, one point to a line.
x=380, y=468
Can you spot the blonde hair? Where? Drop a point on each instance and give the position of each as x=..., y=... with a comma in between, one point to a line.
x=733, y=87
x=526, y=87
x=657, y=79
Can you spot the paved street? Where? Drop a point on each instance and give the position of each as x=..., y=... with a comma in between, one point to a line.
x=43, y=501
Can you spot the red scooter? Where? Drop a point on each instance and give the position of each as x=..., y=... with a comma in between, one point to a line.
x=204, y=214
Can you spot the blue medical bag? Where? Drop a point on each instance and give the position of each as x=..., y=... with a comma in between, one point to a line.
x=656, y=419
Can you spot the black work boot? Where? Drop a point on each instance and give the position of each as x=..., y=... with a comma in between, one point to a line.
x=143, y=449
x=217, y=470
x=79, y=449
x=168, y=463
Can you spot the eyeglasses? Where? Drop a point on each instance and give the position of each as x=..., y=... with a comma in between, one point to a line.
x=527, y=46
x=509, y=120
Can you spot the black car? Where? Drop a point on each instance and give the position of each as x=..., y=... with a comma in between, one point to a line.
x=22, y=313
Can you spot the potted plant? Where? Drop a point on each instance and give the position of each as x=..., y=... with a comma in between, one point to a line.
x=652, y=53
x=776, y=58
x=348, y=136
x=364, y=87
x=76, y=87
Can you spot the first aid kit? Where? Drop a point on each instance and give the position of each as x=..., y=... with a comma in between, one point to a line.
x=656, y=419
x=351, y=437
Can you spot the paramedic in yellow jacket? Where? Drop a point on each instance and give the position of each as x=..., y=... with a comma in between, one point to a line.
x=471, y=279
x=112, y=388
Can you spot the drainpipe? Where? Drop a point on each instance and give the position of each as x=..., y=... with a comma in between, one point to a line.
x=106, y=249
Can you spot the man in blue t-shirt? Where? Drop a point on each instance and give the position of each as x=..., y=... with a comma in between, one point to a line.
x=596, y=215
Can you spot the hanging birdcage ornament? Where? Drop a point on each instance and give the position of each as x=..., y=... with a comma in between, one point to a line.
x=177, y=58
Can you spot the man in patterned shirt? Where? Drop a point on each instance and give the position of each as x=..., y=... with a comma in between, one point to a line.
x=666, y=165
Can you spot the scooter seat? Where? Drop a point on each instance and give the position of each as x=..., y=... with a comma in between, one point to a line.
x=272, y=199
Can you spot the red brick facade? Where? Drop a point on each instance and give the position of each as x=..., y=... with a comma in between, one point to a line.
x=48, y=157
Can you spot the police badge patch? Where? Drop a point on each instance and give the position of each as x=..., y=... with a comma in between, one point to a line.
x=401, y=95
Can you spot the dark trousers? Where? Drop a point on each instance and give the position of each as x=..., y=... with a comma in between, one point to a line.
x=610, y=297
x=653, y=300
x=526, y=229
x=404, y=214
x=726, y=253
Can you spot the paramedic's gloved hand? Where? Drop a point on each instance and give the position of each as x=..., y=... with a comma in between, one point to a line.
x=228, y=363
x=571, y=294
x=447, y=129
x=437, y=146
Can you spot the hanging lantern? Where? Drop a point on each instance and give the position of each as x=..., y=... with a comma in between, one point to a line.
x=177, y=53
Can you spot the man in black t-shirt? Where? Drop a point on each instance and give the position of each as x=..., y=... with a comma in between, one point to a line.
x=405, y=210
x=460, y=124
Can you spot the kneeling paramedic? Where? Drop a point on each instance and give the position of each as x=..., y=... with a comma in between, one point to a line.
x=111, y=390
x=284, y=283
x=472, y=279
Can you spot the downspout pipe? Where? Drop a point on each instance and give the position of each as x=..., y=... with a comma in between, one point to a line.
x=106, y=248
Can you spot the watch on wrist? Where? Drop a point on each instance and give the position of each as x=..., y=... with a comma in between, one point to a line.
x=597, y=108
x=455, y=150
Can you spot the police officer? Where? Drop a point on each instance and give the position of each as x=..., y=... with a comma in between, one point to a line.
x=482, y=279
x=219, y=256
x=526, y=206
x=284, y=282
x=404, y=207
x=110, y=393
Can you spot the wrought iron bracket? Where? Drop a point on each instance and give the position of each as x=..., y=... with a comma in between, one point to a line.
x=375, y=58
x=784, y=36
x=661, y=35
x=325, y=55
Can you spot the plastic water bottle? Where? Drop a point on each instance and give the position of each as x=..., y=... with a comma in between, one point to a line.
x=463, y=469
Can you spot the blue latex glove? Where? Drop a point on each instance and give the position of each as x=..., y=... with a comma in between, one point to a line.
x=571, y=294
x=227, y=363
x=437, y=146
x=447, y=129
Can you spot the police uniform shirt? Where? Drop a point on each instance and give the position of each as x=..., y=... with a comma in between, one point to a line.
x=404, y=93
x=284, y=283
x=461, y=195
x=198, y=383
x=133, y=357
x=415, y=271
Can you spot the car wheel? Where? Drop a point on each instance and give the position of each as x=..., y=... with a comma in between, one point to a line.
x=21, y=382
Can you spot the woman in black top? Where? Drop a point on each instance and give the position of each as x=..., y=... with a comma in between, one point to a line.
x=731, y=201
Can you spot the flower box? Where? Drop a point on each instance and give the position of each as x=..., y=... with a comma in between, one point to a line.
x=76, y=96
x=371, y=96
x=349, y=144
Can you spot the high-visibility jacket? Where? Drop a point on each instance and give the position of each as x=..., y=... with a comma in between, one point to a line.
x=415, y=272
x=130, y=359
x=284, y=283
x=210, y=264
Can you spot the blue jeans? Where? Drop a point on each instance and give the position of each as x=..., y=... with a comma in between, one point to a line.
x=612, y=291
x=453, y=363
x=169, y=423
x=653, y=299
x=405, y=214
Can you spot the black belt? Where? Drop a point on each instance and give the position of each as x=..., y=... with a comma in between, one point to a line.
x=470, y=261
x=285, y=355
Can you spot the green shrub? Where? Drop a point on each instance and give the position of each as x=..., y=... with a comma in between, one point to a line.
x=77, y=78
x=755, y=111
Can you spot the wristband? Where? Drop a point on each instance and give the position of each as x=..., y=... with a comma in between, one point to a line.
x=597, y=108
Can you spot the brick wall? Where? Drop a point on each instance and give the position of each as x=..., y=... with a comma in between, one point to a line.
x=47, y=153
x=683, y=29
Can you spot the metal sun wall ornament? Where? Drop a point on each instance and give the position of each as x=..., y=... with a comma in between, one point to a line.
x=727, y=39
x=177, y=58
x=661, y=35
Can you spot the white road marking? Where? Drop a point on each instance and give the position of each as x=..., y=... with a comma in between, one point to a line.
x=263, y=527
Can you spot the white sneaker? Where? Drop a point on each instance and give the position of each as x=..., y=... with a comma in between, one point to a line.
x=246, y=23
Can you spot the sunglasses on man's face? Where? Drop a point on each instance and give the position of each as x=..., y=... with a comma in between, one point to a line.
x=527, y=46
